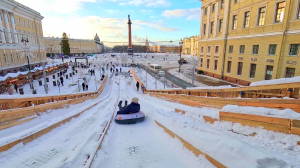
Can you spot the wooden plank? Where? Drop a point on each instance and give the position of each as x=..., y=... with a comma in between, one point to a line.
x=295, y=123
x=271, y=120
x=295, y=130
x=267, y=126
x=210, y=120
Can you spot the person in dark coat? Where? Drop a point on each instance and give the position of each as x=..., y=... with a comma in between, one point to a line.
x=86, y=86
x=91, y=72
x=133, y=107
x=83, y=86
x=137, y=85
x=120, y=70
x=16, y=87
x=61, y=80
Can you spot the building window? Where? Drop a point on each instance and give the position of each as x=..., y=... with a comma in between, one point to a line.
x=1, y=16
x=204, y=29
x=208, y=49
x=222, y=4
x=240, y=68
x=220, y=25
x=20, y=24
x=211, y=27
x=272, y=49
x=32, y=26
x=205, y=11
x=230, y=51
x=217, y=49
x=252, y=70
x=201, y=62
x=202, y=48
x=261, y=16
x=207, y=64
x=298, y=16
x=228, y=66
x=279, y=12
x=234, y=22
x=255, y=49
x=242, y=49
x=12, y=58
x=14, y=20
x=246, y=19
x=5, y=59
x=294, y=49
x=216, y=65
x=269, y=72
x=289, y=72
x=28, y=24
x=24, y=23
x=236, y=1
x=18, y=57
x=213, y=6
x=7, y=18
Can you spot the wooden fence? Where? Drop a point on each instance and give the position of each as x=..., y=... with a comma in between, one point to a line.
x=13, y=103
x=265, y=91
x=11, y=117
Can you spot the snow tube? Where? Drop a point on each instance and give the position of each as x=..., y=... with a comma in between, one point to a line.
x=132, y=118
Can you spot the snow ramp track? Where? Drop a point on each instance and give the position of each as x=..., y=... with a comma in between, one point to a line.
x=143, y=145
x=67, y=145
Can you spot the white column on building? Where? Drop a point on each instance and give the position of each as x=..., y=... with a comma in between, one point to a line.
x=6, y=16
x=216, y=18
x=13, y=25
x=208, y=21
x=201, y=22
x=226, y=17
x=1, y=30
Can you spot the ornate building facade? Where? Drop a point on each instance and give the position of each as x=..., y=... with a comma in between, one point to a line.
x=77, y=46
x=247, y=41
x=19, y=22
x=190, y=45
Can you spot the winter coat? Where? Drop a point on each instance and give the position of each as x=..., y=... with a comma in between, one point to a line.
x=137, y=84
x=61, y=79
x=131, y=108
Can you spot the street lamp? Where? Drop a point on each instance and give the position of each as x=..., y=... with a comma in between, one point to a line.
x=51, y=45
x=25, y=41
x=180, y=43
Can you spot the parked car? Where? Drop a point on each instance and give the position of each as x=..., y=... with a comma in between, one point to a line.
x=161, y=73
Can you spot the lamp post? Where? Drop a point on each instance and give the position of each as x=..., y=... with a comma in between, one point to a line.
x=180, y=43
x=25, y=41
x=51, y=45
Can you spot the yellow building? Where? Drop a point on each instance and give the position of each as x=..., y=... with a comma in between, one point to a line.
x=77, y=46
x=16, y=22
x=173, y=49
x=190, y=45
x=247, y=41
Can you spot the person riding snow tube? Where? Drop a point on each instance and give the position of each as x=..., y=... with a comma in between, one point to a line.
x=129, y=114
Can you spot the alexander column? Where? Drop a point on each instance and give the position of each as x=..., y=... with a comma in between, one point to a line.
x=129, y=50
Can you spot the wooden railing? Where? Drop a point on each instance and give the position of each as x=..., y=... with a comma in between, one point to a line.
x=13, y=103
x=138, y=79
x=265, y=91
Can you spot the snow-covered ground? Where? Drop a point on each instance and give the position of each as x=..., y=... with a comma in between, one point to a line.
x=144, y=144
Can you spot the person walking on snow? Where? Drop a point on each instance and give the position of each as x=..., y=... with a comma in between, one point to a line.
x=143, y=88
x=62, y=80
x=137, y=85
x=83, y=86
x=16, y=87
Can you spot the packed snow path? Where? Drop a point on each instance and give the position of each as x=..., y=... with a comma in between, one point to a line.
x=144, y=144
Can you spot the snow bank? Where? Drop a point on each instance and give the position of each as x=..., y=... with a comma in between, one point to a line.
x=211, y=87
x=287, y=113
x=276, y=81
